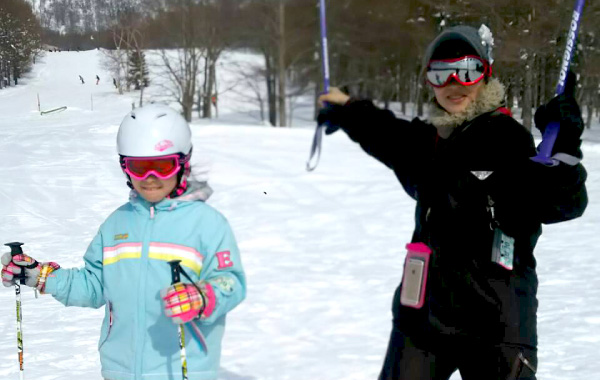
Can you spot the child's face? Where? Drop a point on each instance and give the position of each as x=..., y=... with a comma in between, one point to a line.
x=154, y=189
x=455, y=97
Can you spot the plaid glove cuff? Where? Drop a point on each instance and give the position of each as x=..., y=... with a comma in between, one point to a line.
x=45, y=271
x=210, y=299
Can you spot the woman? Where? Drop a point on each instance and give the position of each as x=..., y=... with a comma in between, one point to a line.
x=468, y=296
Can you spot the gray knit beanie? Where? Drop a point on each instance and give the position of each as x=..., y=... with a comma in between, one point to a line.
x=480, y=41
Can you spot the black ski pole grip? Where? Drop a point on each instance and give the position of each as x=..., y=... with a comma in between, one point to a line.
x=174, y=271
x=15, y=249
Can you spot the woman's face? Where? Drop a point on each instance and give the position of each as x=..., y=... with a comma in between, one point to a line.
x=455, y=97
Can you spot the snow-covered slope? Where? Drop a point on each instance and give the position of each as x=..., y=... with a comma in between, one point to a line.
x=323, y=250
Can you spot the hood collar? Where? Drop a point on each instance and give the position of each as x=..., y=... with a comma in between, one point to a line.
x=490, y=98
x=196, y=191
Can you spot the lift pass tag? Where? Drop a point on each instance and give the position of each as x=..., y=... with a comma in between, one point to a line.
x=503, y=249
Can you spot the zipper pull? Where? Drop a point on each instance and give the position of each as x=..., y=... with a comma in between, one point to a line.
x=151, y=212
x=491, y=211
x=527, y=362
x=490, y=207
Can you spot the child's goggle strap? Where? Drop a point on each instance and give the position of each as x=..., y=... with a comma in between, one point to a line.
x=163, y=167
x=467, y=70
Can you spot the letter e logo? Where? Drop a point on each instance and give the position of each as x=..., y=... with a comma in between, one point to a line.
x=224, y=259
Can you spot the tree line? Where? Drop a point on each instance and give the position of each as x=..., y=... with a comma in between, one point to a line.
x=19, y=40
x=375, y=46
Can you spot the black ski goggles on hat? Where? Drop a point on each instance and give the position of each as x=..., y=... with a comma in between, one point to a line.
x=467, y=70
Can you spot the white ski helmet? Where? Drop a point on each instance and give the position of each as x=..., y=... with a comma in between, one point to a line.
x=154, y=130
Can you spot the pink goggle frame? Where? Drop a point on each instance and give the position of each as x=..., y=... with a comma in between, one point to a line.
x=163, y=167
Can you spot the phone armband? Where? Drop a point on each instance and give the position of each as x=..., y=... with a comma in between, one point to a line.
x=414, y=279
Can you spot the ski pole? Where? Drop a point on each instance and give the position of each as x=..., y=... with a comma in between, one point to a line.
x=175, y=279
x=318, y=137
x=15, y=249
x=551, y=131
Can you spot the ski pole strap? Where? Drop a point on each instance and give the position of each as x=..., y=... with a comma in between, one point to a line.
x=200, y=291
x=551, y=131
x=315, y=149
x=199, y=335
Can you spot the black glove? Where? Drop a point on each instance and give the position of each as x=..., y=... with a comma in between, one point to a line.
x=331, y=117
x=563, y=109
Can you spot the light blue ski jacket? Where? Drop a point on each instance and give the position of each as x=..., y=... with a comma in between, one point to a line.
x=126, y=267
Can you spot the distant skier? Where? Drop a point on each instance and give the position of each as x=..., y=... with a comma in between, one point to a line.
x=115, y=83
x=467, y=299
x=81, y=79
x=127, y=266
x=97, y=80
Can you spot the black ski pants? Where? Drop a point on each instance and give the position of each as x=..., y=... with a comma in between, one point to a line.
x=411, y=359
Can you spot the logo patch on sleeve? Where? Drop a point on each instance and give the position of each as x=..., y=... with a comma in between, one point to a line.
x=224, y=283
x=224, y=259
x=121, y=236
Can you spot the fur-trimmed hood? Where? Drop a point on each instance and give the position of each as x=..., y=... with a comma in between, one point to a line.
x=490, y=98
x=196, y=191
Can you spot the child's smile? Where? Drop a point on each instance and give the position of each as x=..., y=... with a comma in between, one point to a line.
x=154, y=189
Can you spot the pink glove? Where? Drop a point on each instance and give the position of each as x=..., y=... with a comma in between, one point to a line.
x=35, y=273
x=183, y=302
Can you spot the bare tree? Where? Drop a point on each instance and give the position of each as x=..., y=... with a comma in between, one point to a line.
x=251, y=77
x=182, y=64
x=125, y=27
x=137, y=58
x=375, y=46
x=215, y=36
x=115, y=62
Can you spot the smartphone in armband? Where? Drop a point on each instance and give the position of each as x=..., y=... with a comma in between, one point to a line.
x=414, y=279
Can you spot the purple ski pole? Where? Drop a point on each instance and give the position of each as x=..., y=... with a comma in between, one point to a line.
x=324, y=47
x=551, y=131
x=318, y=137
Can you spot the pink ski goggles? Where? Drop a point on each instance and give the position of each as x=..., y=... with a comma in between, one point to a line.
x=467, y=70
x=163, y=167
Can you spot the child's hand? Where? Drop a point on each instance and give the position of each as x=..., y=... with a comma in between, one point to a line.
x=182, y=302
x=35, y=273
x=334, y=96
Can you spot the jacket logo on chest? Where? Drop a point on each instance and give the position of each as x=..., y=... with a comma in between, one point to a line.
x=121, y=236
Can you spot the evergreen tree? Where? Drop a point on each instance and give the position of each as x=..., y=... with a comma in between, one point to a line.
x=19, y=40
x=138, y=70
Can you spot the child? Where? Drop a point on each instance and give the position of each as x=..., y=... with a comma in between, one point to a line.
x=467, y=300
x=127, y=266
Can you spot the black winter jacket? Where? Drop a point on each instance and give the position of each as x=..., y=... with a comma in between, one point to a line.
x=468, y=294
